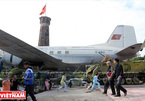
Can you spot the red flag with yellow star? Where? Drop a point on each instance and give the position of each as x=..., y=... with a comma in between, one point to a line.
x=116, y=37
x=43, y=10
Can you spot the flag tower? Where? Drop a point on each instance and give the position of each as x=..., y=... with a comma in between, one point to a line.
x=44, y=29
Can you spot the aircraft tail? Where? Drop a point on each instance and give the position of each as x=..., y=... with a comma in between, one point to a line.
x=123, y=36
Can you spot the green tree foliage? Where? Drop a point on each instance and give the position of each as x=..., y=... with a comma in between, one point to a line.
x=3, y=73
x=79, y=74
x=15, y=71
x=137, y=59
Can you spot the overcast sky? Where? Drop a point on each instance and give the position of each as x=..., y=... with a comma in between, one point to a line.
x=74, y=22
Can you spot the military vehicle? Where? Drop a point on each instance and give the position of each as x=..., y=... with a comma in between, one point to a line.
x=134, y=72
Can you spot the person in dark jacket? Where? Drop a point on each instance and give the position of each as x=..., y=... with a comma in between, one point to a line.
x=49, y=78
x=14, y=81
x=119, y=76
x=28, y=80
x=110, y=79
x=15, y=86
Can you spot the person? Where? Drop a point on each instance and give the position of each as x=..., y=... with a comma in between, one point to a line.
x=6, y=84
x=63, y=83
x=28, y=80
x=110, y=79
x=15, y=86
x=95, y=81
x=70, y=83
x=47, y=84
x=49, y=78
x=119, y=76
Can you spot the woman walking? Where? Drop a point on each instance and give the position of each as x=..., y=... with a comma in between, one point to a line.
x=63, y=83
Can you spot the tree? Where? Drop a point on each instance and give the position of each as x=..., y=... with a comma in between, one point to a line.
x=15, y=71
x=137, y=59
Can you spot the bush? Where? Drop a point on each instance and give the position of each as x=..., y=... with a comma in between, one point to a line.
x=79, y=75
x=137, y=59
x=15, y=71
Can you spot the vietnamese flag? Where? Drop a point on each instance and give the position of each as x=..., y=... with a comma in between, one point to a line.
x=43, y=10
x=116, y=37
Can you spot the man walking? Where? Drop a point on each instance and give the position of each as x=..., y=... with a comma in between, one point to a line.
x=119, y=76
x=110, y=79
x=28, y=80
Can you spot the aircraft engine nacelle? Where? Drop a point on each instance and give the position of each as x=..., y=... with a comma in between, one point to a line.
x=10, y=59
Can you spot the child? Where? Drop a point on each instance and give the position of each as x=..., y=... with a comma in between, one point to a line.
x=47, y=84
x=95, y=81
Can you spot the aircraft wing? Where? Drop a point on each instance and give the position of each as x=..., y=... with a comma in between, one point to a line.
x=24, y=51
x=142, y=46
x=130, y=50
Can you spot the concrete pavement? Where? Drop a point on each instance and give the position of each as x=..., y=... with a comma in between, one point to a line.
x=133, y=94
x=72, y=94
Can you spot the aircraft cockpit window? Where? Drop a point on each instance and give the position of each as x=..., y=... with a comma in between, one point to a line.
x=58, y=52
x=51, y=52
x=66, y=52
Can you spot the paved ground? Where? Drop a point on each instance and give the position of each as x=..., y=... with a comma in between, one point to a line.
x=134, y=93
x=73, y=94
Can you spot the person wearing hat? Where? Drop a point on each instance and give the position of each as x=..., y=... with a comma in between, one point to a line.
x=28, y=80
x=110, y=79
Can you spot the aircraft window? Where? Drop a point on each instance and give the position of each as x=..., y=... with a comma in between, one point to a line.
x=58, y=52
x=66, y=52
x=51, y=52
x=102, y=52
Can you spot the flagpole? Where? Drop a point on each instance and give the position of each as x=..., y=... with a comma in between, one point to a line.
x=45, y=9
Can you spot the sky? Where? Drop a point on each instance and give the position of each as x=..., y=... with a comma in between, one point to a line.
x=73, y=22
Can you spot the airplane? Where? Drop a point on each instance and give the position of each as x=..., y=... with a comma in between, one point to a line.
x=121, y=44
